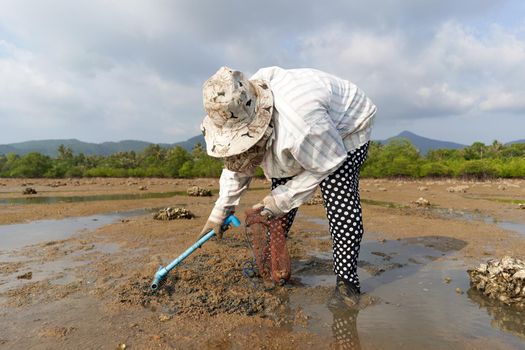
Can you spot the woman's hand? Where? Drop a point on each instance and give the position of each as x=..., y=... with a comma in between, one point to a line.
x=211, y=225
x=269, y=207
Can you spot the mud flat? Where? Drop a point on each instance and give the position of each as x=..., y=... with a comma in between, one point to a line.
x=75, y=273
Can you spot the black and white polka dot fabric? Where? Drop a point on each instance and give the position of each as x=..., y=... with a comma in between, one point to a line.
x=288, y=221
x=340, y=191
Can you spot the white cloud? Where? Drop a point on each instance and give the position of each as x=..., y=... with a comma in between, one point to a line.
x=107, y=70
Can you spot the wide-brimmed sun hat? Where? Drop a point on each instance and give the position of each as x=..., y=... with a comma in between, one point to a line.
x=239, y=112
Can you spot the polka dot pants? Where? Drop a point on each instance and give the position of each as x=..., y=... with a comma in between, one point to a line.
x=340, y=191
x=290, y=216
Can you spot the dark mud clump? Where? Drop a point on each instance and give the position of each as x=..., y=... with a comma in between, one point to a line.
x=29, y=191
x=204, y=287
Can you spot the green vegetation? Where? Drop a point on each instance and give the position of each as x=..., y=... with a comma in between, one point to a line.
x=399, y=158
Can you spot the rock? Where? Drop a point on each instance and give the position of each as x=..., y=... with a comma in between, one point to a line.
x=173, y=213
x=422, y=202
x=521, y=205
x=26, y=276
x=122, y=346
x=422, y=188
x=57, y=184
x=447, y=279
x=315, y=200
x=29, y=190
x=143, y=188
x=502, y=280
x=164, y=318
x=462, y=189
x=459, y=291
x=56, y=332
x=197, y=191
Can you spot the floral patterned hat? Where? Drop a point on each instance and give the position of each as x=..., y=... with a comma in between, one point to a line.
x=239, y=112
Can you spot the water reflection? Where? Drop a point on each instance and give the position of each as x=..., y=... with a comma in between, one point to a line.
x=504, y=317
x=344, y=329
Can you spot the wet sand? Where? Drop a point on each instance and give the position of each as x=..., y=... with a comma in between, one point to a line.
x=91, y=269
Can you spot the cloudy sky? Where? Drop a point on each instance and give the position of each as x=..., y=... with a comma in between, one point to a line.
x=101, y=70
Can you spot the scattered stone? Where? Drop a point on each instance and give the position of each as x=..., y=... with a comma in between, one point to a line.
x=459, y=189
x=57, y=184
x=422, y=202
x=26, y=276
x=459, y=291
x=447, y=279
x=315, y=200
x=501, y=279
x=29, y=190
x=122, y=346
x=381, y=189
x=197, y=191
x=521, y=205
x=143, y=188
x=173, y=213
x=164, y=318
x=55, y=332
x=422, y=188
x=502, y=187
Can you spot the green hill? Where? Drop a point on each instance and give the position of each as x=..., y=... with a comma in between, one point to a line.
x=49, y=147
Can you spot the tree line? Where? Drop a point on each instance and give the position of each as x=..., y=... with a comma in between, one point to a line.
x=398, y=158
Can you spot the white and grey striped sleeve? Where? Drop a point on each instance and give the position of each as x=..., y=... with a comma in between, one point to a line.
x=232, y=186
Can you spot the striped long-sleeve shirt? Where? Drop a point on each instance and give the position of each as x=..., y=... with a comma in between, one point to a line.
x=318, y=118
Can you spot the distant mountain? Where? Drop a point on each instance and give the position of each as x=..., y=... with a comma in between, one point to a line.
x=5, y=149
x=517, y=141
x=49, y=147
x=190, y=143
x=424, y=144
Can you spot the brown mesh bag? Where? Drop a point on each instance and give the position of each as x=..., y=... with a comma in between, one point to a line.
x=268, y=242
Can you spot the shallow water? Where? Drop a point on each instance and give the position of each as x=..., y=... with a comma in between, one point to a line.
x=92, y=198
x=14, y=236
x=417, y=308
x=507, y=225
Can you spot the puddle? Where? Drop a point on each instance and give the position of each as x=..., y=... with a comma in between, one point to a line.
x=512, y=226
x=417, y=308
x=507, y=225
x=15, y=236
x=93, y=198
